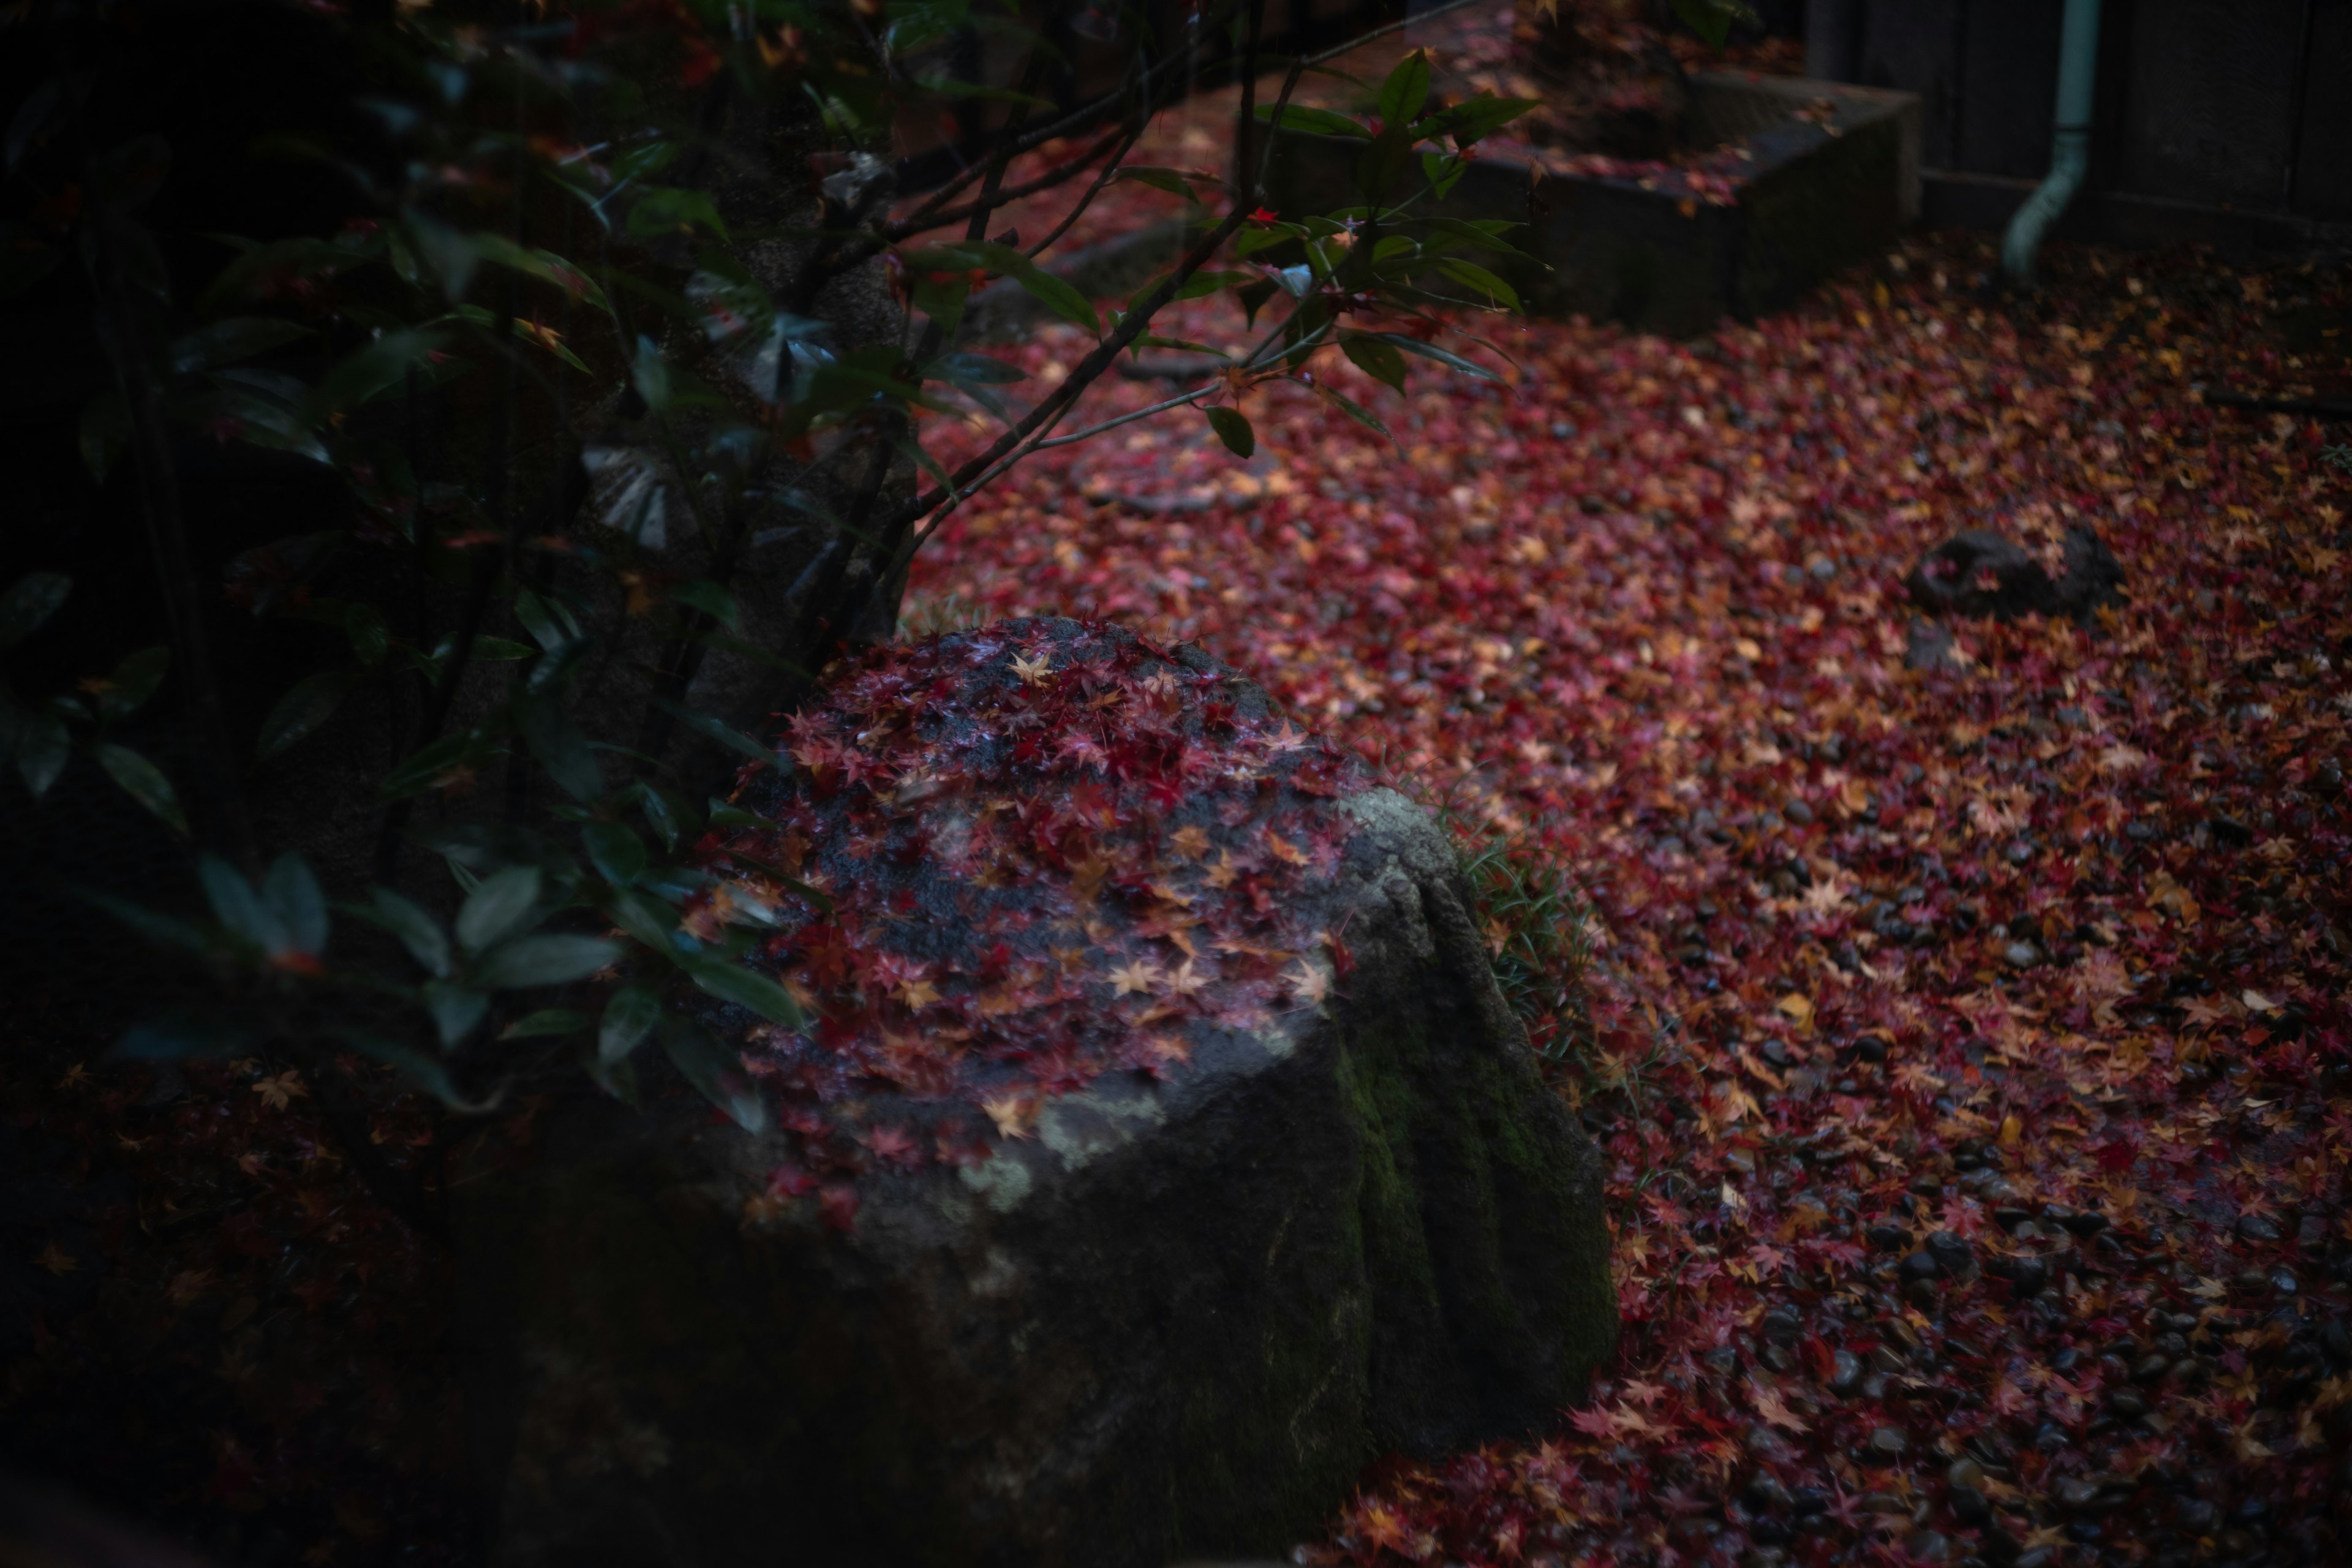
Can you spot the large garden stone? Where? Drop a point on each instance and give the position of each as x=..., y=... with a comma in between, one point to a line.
x=1165, y=1309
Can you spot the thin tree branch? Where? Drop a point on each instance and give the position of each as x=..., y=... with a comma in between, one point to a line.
x=1060, y=174
x=1084, y=117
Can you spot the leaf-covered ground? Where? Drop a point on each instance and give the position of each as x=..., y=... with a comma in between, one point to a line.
x=1970, y=1046
x=1978, y=1169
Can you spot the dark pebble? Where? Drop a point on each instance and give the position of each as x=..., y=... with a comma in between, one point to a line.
x=1954, y=1256
x=2078, y=1496
x=1884, y=1446
x=1765, y=1493
x=1870, y=1049
x=1887, y=1238
x=2258, y=1227
x=1845, y=1375
x=1921, y=1265
x=1770, y=1532
x=1807, y=1500
x=2029, y=1277
x=2149, y=1368
x=1971, y=1506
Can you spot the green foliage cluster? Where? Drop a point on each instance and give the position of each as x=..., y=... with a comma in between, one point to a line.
x=503, y=265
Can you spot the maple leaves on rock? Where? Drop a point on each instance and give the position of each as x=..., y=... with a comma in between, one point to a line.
x=1006, y=862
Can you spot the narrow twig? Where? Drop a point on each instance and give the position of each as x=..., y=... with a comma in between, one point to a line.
x=1083, y=118
x=1109, y=172
x=1060, y=173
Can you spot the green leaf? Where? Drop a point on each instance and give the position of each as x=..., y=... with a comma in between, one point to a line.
x=650, y=373
x=731, y=981
x=311, y=702
x=712, y=600
x=1048, y=291
x=455, y=1009
x=1232, y=428
x=43, y=745
x=618, y=855
x=239, y=907
x=1478, y=277
x=667, y=209
x=370, y=636
x=418, y=931
x=1472, y=122
x=544, y=620
x=646, y=919
x=1405, y=91
x=551, y=960
x=544, y=265
x=545, y=1022
x=29, y=601
x=1059, y=298
x=1252, y=298
x=233, y=339
x=1375, y=357
x=369, y=372
x=1446, y=357
x=499, y=908
x=423, y=766
x=290, y=892
x=712, y=728
x=144, y=782
x=716, y=1072
x=666, y=815
x=282, y=261
x=559, y=743
x=424, y=1072
x=629, y=1017
x=493, y=648
x=1175, y=182
x=1354, y=410
x=1321, y=121
x=1712, y=19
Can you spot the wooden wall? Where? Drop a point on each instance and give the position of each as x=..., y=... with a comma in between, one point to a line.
x=2243, y=106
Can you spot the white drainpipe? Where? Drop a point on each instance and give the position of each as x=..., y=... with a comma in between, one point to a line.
x=2070, y=158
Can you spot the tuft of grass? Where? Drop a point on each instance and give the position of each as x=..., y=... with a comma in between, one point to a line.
x=925, y=614
x=1538, y=934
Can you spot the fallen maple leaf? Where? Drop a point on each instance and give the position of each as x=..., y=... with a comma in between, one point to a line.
x=1014, y=1114
x=282, y=1091
x=1309, y=981
x=1775, y=1410
x=1134, y=978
